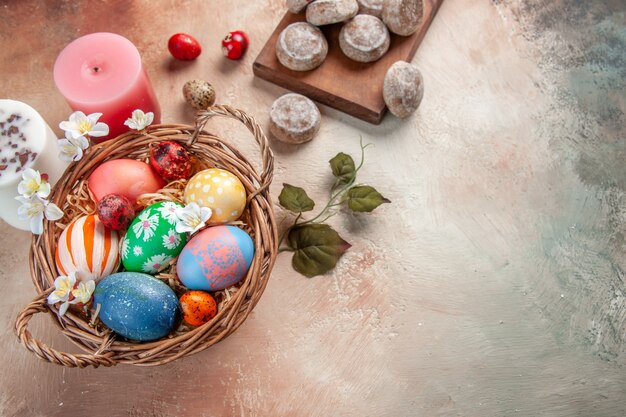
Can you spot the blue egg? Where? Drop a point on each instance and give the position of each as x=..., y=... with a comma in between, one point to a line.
x=215, y=258
x=137, y=306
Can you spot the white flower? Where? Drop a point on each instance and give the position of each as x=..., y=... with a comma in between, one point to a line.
x=171, y=240
x=82, y=293
x=192, y=218
x=71, y=148
x=35, y=209
x=140, y=120
x=82, y=125
x=168, y=211
x=63, y=286
x=33, y=183
x=156, y=263
x=125, y=247
x=137, y=250
x=146, y=226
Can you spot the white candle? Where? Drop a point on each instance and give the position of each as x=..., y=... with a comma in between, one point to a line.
x=26, y=141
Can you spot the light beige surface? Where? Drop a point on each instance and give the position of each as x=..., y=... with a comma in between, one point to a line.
x=493, y=285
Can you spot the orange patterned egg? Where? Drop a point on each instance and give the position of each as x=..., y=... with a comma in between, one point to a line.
x=88, y=247
x=198, y=307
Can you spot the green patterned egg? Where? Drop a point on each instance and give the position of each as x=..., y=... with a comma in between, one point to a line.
x=151, y=240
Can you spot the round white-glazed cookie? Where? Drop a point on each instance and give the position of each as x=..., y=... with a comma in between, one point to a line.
x=326, y=12
x=403, y=17
x=403, y=89
x=294, y=119
x=301, y=47
x=296, y=6
x=373, y=7
x=364, y=38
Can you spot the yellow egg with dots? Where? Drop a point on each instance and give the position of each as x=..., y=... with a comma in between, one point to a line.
x=219, y=190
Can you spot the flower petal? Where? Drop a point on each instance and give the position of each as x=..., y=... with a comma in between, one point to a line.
x=149, y=118
x=100, y=129
x=69, y=128
x=53, y=298
x=22, y=212
x=77, y=116
x=22, y=199
x=183, y=228
x=22, y=188
x=53, y=212
x=79, y=154
x=205, y=214
x=44, y=190
x=36, y=224
x=63, y=308
x=31, y=174
x=81, y=142
x=93, y=118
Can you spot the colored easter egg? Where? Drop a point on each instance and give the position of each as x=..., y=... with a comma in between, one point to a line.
x=115, y=211
x=126, y=177
x=219, y=190
x=170, y=160
x=151, y=240
x=198, y=307
x=136, y=306
x=89, y=248
x=215, y=258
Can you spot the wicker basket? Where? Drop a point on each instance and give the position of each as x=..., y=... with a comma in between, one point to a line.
x=103, y=347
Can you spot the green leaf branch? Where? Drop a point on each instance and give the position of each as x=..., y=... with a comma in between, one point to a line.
x=316, y=246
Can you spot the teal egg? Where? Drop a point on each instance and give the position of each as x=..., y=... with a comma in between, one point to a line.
x=137, y=306
x=151, y=240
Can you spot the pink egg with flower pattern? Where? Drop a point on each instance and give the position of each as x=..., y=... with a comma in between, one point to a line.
x=215, y=258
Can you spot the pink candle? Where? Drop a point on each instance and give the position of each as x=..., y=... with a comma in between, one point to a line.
x=103, y=73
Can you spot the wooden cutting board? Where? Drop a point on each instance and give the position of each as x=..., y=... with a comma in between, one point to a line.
x=352, y=87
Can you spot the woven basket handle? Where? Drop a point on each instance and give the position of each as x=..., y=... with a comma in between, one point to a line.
x=39, y=305
x=267, y=156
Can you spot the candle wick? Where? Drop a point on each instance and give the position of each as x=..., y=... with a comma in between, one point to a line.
x=96, y=69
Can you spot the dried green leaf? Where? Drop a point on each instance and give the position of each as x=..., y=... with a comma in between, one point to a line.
x=295, y=199
x=317, y=248
x=343, y=168
x=363, y=198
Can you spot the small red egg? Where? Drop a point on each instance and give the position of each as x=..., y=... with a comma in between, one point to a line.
x=198, y=307
x=235, y=44
x=115, y=211
x=170, y=160
x=184, y=47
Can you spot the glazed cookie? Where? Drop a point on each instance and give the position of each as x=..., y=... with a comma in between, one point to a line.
x=296, y=6
x=294, y=119
x=403, y=89
x=373, y=7
x=403, y=17
x=301, y=47
x=364, y=38
x=326, y=12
